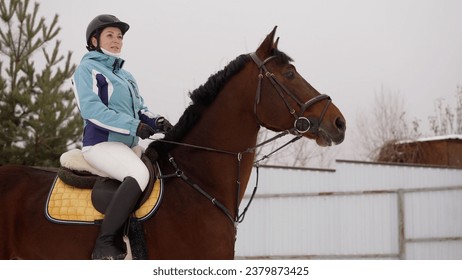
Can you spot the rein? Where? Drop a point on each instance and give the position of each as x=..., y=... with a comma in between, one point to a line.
x=238, y=217
x=301, y=126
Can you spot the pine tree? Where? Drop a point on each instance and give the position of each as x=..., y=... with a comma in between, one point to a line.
x=38, y=116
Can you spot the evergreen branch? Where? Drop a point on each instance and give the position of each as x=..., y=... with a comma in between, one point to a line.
x=39, y=120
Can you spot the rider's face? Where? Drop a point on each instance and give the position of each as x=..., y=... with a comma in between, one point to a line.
x=111, y=39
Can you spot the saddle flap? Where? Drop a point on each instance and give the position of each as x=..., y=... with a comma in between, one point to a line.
x=102, y=193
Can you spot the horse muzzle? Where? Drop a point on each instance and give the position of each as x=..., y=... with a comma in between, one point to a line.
x=334, y=134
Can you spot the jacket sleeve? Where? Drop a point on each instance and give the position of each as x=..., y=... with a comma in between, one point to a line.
x=147, y=116
x=92, y=107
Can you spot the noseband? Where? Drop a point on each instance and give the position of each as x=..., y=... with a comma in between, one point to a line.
x=301, y=124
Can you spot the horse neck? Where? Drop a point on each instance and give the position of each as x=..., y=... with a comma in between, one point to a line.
x=228, y=125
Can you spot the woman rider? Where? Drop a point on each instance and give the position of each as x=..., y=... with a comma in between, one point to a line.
x=114, y=116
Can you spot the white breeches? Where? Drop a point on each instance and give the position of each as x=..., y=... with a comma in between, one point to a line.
x=117, y=161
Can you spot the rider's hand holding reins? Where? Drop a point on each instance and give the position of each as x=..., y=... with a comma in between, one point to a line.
x=163, y=124
x=144, y=131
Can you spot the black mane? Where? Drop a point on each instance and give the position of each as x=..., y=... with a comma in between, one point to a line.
x=201, y=98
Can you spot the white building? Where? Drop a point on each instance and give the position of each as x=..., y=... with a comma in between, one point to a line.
x=359, y=210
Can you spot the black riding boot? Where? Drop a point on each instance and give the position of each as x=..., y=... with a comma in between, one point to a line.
x=118, y=211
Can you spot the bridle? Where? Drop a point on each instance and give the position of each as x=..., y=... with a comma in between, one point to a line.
x=301, y=124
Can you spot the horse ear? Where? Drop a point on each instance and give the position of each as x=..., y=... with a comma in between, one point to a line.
x=275, y=44
x=264, y=50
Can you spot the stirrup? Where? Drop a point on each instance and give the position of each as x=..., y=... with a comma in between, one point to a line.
x=105, y=249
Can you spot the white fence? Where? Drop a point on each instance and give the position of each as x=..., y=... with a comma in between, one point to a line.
x=359, y=210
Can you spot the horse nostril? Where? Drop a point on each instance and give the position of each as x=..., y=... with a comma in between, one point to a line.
x=340, y=124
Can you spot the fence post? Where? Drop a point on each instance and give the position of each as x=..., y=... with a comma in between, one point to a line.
x=401, y=226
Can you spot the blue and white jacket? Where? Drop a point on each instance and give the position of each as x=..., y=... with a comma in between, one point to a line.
x=109, y=101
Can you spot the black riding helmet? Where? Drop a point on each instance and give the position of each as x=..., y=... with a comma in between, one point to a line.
x=99, y=23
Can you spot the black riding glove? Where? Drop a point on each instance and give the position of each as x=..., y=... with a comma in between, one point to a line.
x=144, y=131
x=163, y=124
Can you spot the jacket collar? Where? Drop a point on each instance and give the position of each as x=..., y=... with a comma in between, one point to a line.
x=115, y=64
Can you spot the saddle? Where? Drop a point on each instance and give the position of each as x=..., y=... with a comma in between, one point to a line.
x=80, y=194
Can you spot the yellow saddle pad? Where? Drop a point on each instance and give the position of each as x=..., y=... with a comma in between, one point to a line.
x=68, y=204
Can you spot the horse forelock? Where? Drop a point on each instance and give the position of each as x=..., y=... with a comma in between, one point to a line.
x=281, y=57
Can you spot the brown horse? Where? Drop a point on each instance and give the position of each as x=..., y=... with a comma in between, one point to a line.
x=212, y=166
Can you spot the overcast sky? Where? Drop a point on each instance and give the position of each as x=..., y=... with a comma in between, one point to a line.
x=347, y=49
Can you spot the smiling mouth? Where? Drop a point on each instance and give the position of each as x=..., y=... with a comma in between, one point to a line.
x=114, y=47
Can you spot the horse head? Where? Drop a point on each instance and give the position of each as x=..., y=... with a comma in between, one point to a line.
x=286, y=101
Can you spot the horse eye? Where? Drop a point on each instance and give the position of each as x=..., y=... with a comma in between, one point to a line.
x=289, y=74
